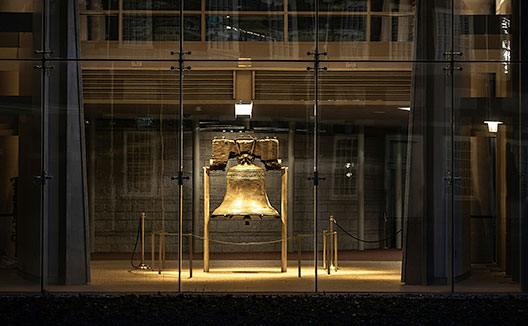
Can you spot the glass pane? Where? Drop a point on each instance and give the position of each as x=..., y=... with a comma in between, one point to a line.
x=21, y=29
x=391, y=29
x=328, y=5
x=245, y=232
x=245, y=28
x=160, y=5
x=485, y=30
x=387, y=34
x=160, y=28
x=486, y=161
x=102, y=28
x=20, y=162
x=245, y=5
x=122, y=198
x=101, y=4
x=392, y=5
x=333, y=28
x=382, y=203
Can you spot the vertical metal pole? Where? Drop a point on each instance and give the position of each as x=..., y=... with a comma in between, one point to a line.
x=160, y=252
x=180, y=150
x=299, y=257
x=190, y=255
x=196, y=181
x=206, y=220
x=335, y=251
x=361, y=187
x=453, y=131
x=284, y=220
x=324, y=249
x=399, y=192
x=152, y=250
x=316, y=140
x=291, y=180
x=142, y=239
x=331, y=239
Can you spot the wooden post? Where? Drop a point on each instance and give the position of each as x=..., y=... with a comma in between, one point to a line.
x=206, y=221
x=284, y=220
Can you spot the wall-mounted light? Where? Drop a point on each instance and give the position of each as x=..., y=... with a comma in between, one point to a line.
x=244, y=109
x=405, y=108
x=493, y=126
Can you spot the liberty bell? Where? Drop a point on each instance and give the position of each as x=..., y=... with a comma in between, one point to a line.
x=245, y=195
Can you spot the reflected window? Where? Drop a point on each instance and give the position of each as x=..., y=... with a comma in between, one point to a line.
x=160, y=4
x=160, y=28
x=103, y=28
x=102, y=4
x=245, y=5
x=391, y=5
x=245, y=28
x=328, y=5
x=140, y=172
x=391, y=28
x=345, y=166
x=332, y=28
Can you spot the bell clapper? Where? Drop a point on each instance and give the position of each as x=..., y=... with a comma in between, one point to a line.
x=247, y=219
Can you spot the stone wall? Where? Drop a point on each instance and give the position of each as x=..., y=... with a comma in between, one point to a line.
x=123, y=191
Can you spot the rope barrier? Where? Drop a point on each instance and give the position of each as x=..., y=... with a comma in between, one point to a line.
x=365, y=241
x=238, y=243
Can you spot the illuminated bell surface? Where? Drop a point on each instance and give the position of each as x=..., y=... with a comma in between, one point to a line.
x=245, y=194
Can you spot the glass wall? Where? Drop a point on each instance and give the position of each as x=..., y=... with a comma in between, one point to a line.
x=262, y=146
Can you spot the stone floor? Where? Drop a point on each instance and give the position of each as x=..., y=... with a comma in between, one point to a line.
x=232, y=276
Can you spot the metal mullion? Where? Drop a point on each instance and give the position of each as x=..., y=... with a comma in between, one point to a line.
x=203, y=34
x=161, y=12
x=120, y=22
x=99, y=12
x=316, y=139
x=245, y=13
x=286, y=22
x=43, y=149
x=369, y=14
x=453, y=131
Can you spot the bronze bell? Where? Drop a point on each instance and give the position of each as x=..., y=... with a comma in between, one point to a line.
x=245, y=194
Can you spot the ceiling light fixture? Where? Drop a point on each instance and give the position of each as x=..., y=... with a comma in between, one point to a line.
x=244, y=109
x=493, y=126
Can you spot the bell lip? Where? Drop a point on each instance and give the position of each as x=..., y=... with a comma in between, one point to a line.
x=253, y=215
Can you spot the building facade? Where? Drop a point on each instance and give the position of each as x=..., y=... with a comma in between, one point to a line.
x=400, y=123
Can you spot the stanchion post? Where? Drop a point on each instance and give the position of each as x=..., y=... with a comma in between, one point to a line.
x=160, y=252
x=152, y=249
x=190, y=255
x=206, y=221
x=331, y=243
x=142, y=238
x=299, y=255
x=284, y=220
x=324, y=249
x=335, y=251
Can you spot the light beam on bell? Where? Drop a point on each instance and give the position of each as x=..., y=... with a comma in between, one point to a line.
x=493, y=126
x=244, y=109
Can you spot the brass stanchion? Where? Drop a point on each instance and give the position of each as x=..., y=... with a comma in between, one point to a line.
x=142, y=265
x=299, y=255
x=190, y=255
